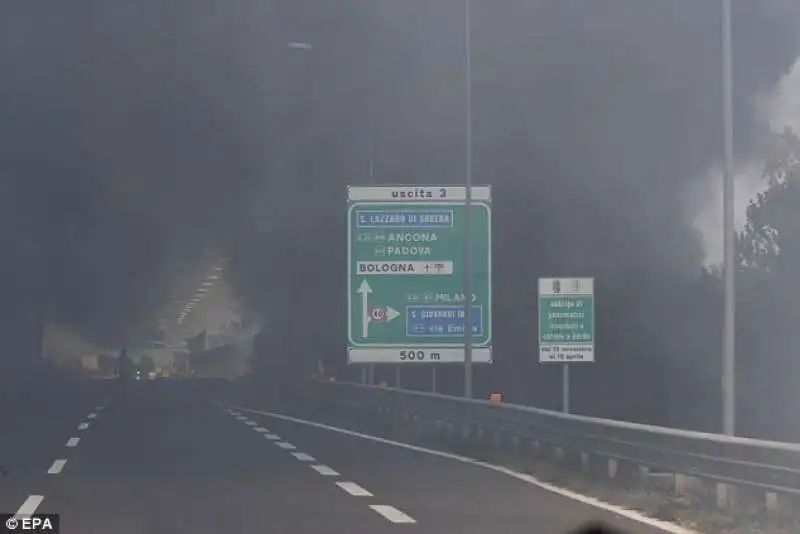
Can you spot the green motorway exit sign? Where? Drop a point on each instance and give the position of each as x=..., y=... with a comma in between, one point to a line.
x=566, y=320
x=405, y=285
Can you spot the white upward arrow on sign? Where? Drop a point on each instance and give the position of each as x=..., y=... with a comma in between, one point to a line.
x=366, y=316
x=364, y=290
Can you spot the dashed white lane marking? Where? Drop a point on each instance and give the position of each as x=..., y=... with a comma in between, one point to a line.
x=57, y=466
x=29, y=506
x=92, y=416
x=391, y=513
x=324, y=470
x=83, y=426
x=632, y=515
x=354, y=489
x=73, y=442
x=100, y=408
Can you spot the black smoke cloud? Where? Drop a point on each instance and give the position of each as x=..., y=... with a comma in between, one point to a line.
x=134, y=134
x=590, y=121
x=129, y=135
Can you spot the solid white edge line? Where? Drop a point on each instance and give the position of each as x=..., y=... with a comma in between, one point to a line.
x=73, y=442
x=392, y=514
x=57, y=466
x=303, y=457
x=620, y=511
x=30, y=505
x=354, y=489
x=324, y=470
x=83, y=426
x=286, y=446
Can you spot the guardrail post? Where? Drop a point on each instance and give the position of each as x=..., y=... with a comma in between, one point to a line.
x=498, y=439
x=726, y=495
x=771, y=503
x=685, y=484
x=433, y=426
x=644, y=473
x=585, y=461
x=612, y=468
x=778, y=505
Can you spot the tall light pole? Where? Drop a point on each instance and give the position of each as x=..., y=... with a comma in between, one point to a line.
x=370, y=369
x=302, y=48
x=468, y=203
x=729, y=241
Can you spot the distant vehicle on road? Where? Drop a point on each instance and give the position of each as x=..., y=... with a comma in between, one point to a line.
x=125, y=368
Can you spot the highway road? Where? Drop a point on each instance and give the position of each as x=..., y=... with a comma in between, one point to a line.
x=172, y=457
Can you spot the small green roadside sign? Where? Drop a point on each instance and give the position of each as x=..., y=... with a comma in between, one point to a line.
x=566, y=320
x=406, y=253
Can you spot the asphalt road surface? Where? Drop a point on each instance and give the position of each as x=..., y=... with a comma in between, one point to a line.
x=165, y=458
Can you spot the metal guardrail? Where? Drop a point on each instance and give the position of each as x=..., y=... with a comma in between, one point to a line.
x=773, y=467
